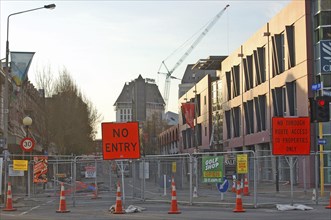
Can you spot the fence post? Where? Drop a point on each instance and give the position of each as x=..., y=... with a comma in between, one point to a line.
x=143, y=180
x=134, y=178
x=54, y=178
x=74, y=182
x=191, y=178
x=316, y=177
x=255, y=179
x=29, y=177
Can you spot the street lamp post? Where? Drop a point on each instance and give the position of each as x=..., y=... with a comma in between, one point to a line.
x=27, y=122
x=6, y=92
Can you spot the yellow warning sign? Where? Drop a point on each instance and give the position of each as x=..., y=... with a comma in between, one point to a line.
x=20, y=165
x=174, y=167
x=242, y=164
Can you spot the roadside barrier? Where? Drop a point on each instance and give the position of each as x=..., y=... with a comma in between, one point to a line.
x=95, y=193
x=62, y=205
x=246, y=190
x=174, y=205
x=233, y=185
x=329, y=206
x=239, y=204
x=9, y=202
x=195, y=192
x=118, y=206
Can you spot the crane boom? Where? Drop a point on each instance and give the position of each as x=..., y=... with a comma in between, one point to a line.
x=187, y=53
x=197, y=41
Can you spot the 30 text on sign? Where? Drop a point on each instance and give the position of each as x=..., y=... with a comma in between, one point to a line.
x=27, y=144
x=120, y=140
x=291, y=136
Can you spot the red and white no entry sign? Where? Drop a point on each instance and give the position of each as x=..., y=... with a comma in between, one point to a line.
x=27, y=144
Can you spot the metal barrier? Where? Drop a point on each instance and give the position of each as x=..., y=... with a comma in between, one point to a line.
x=149, y=178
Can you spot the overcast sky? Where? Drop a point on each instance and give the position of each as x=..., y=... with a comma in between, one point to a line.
x=104, y=44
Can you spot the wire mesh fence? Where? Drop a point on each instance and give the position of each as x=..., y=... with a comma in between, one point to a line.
x=211, y=177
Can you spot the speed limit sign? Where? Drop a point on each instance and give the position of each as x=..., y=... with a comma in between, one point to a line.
x=27, y=144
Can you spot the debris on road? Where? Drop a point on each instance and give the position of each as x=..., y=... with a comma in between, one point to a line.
x=129, y=209
x=293, y=207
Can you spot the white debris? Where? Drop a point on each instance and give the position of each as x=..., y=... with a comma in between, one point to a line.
x=133, y=208
x=287, y=207
x=129, y=209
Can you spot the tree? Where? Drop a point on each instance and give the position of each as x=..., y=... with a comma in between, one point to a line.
x=44, y=80
x=71, y=118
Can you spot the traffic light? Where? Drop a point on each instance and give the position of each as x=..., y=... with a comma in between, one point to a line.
x=322, y=109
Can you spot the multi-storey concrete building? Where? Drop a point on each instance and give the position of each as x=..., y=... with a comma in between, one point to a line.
x=195, y=88
x=271, y=74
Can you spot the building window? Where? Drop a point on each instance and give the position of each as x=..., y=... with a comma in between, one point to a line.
x=248, y=72
x=228, y=124
x=260, y=112
x=291, y=97
x=235, y=71
x=228, y=84
x=235, y=113
x=249, y=116
x=205, y=131
x=277, y=97
x=290, y=45
x=205, y=100
x=278, y=54
x=322, y=33
x=260, y=67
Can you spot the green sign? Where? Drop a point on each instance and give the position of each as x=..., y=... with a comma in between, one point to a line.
x=212, y=169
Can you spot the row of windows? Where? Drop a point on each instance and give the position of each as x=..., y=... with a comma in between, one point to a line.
x=284, y=104
x=191, y=137
x=125, y=114
x=168, y=137
x=125, y=111
x=125, y=118
x=233, y=117
x=256, y=63
x=322, y=18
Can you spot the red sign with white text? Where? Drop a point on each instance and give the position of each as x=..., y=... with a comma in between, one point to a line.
x=120, y=140
x=291, y=136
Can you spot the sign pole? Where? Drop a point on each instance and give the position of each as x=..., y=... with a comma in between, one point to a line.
x=291, y=178
x=320, y=131
x=122, y=172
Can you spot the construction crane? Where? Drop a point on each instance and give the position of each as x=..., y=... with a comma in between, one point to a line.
x=185, y=55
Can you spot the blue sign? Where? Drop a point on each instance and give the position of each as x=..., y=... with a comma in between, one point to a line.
x=223, y=187
x=322, y=141
x=316, y=87
x=325, y=49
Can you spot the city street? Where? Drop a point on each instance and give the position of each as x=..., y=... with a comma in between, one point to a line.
x=98, y=210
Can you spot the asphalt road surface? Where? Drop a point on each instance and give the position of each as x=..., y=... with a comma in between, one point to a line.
x=99, y=210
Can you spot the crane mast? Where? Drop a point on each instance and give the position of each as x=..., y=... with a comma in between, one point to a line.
x=186, y=54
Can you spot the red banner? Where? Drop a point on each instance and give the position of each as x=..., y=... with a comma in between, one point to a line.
x=40, y=169
x=188, y=112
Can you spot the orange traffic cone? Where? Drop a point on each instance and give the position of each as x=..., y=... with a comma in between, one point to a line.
x=9, y=202
x=246, y=190
x=233, y=185
x=62, y=206
x=174, y=207
x=329, y=206
x=118, y=206
x=239, y=204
